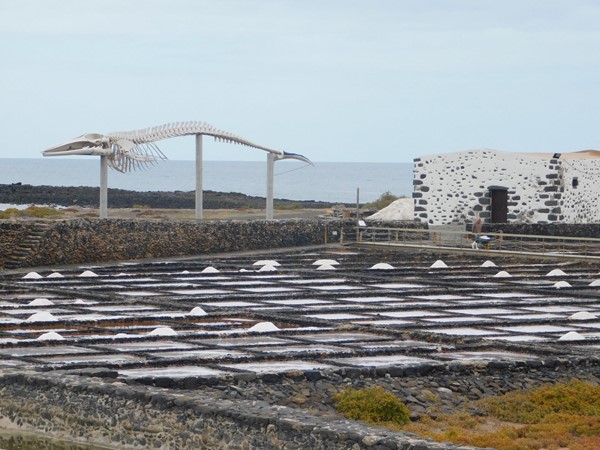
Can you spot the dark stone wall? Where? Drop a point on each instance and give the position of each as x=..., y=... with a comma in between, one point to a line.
x=94, y=240
x=591, y=230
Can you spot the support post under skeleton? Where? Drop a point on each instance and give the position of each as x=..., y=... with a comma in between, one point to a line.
x=199, y=199
x=103, y=187
x=270, y=175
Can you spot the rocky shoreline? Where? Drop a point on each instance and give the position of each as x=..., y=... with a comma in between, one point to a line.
x=88, y=197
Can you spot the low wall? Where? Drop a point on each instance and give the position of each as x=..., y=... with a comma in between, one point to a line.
x=206, y=414
x=591, y=230
x=94, y=240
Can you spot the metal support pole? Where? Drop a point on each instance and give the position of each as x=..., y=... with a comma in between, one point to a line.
x=270, y=175
x=103, y=187
x=199, y=199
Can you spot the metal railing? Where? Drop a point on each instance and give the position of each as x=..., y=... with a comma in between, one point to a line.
x=463, y=240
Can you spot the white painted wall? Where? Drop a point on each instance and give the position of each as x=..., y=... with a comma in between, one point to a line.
x=454, y=187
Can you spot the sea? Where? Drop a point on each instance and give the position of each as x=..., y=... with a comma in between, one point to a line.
x=335, y=182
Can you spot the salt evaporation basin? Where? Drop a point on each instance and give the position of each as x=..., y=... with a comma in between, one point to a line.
x=383, y=360
x=198, y=291
x=482, y=311
x=462, y=331
x=146, y=346
x=201, y=354
x=279, y=366
x=340, y=316
x=342, y=337
x=412, y=313
x=266, y=290
x=397, y=286
x=298, y=301
x=231, y=304
x=456, y=319
x=316, y=281
x=368, y=299
x=336, y=288
x=527, y=329
x=519, y=338
x=171, y=372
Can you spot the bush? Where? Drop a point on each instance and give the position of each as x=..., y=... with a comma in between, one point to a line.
x=373, y=405
x=33, y=211
x=384, y=200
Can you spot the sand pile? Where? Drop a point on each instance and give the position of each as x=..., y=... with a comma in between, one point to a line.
x=401, y=209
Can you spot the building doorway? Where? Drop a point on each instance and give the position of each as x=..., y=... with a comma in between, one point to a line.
x=499, y=206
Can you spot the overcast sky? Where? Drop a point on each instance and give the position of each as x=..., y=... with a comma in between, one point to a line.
x=335, y=80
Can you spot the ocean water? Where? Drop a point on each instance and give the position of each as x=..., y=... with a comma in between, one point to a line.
x=325, y=181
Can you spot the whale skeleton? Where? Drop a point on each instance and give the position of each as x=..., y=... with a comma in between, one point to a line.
x=125, y=151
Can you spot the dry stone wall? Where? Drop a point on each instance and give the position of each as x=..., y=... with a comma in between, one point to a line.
x=455, y=187
x=93, y=240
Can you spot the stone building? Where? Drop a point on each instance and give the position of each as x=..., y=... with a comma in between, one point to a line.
x=505, y=187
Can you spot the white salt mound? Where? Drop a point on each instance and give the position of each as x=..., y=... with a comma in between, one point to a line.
x=503, y=274
x=41, y=317
x=595, y=283
x=382, y=266
x=55, y=275
x=197, y=311
x=266, y=262
x=439, y=264
x=263, y=326
x=572, y=336
x=326, y=267
x=488, y=263
x=322, y=262
x=120, y=336
x=555, y=273
x=561, y=284
x=401, y=209
x=32, y=276
x=210, y=269
x=582, y=315
x=50, y=336
x=268, y=268
x=40, y=302
x=87, y=273
x=163, y=331
x=185, y=272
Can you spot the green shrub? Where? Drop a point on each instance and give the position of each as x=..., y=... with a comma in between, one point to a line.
x=32, y=211
x=373, y=405
x=384, y=200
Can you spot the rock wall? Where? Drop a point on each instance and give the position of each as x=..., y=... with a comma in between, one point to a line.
x=455, y=187
x=93, y=240
x=291, y=410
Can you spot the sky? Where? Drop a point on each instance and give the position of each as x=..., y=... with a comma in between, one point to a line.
x=334, y=80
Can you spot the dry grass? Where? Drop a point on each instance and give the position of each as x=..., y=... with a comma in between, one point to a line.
x=556, y=416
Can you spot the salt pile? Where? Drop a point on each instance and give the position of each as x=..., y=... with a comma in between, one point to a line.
x=382, y=266
x=326, y=267
x=555, y=273
x=561, y=284
x=488, y=263
x=583, y=315
x=41, y=317
x=595, y=283
x=120, y=336
x=163, y=331
x=503, y=274
x=40, y=302
x=51, y=336
x=572, y=336
x=401, y=209
x=87, y=274
x=266, y=262
x=55, y=275
x=322, y=262
x=210, y=269
x=439, y=264
x=268, y=268
x=263, y=326
x=197, y=311
x=32, y=276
